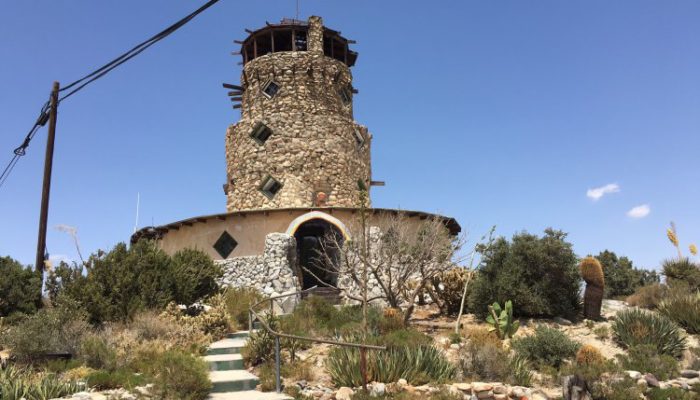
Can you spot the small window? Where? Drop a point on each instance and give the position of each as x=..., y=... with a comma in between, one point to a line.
x=270, y=89
x=270, y=187
x=261, y=133
x=225, y=244
x=359, y=138
x=345, y=95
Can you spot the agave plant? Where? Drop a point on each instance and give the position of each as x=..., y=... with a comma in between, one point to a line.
x=19, y=384
x=639, y=327
x=501, y=320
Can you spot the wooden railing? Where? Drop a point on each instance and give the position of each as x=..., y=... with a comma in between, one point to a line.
x=254, y=316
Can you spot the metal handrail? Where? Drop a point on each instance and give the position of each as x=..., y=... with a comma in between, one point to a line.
x=253, y=315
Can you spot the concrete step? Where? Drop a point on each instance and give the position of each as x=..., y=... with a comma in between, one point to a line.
x=249, y=395
x=226, y=346
x=224, y=362
x=232, y=381
x=239, y=335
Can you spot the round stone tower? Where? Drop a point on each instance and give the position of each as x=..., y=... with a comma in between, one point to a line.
x=296, y=144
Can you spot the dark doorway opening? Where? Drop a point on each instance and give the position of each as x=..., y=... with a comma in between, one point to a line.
x=318, y=255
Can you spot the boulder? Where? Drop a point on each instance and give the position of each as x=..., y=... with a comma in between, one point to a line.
x=689, y=373
x=344, y=393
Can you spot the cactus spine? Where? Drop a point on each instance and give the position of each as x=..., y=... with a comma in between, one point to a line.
x=592, y=273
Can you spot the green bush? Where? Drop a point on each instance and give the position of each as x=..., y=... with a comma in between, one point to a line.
x=636, y=327
x=268, y=377
x=407, y=337
x=646, y=359
x=513, y=270
x=57, y=329
x=96, y=353
x=179, y=375
x=260, y=347
x=238, y=300
x=681, y=273
x=547, y=346
x=672, y=393
x=683, y=309
x=119, y=378
x=616, y=389
x=621, y=278
x=417, y=365
x=19, y=288
x=114, y=286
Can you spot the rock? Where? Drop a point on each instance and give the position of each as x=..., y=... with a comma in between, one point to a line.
x=454, y=346
x=378, y=389
x=344, y=393
x=562, y=321
x=488, y=394
x=517, y=392
x=689, y=373
x=634, y=374
x=402, y=382
x=651, y=380
x=642, y=383
x=693, y=381
x=500, y=397
x=538, y=395
x=481, y=387
x=81, y=396
x=454, y=391
x=499, y=389
x=302, y=384
x=464, y=387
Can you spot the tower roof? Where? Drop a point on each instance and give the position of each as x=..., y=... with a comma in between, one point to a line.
x=292, y=35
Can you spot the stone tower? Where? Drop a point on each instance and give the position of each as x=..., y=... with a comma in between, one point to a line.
x=296, y=144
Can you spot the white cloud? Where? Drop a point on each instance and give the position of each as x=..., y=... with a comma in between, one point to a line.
x=639, y=211
x=597, y=193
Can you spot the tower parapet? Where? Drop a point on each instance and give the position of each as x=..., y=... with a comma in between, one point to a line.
x=296, y=144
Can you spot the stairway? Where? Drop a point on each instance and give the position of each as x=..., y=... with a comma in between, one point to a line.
x=228, y=375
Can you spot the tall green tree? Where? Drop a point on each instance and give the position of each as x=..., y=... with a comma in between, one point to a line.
x=18, y=287
x=621, y=278
x=539, y=274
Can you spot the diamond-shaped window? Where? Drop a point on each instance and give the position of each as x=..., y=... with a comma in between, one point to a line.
x=270, y=89
x=345, y=95
x=261, y=133
x=225, y=245
x=270, y=187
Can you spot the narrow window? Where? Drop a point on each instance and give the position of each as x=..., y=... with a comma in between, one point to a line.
x=345, y=95
x=261, y=133
x=359, y=138
x=270, y=187
x=225, y=244
x=270, y=89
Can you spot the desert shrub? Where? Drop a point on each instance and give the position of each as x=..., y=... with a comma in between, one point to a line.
x=56, y=329
x=260, y=347
x=19, y=288
x=648, y=296
x=60, y=366
x=683, y=309
x=96, y=353
x=195, y=276
x=407, y=337
x=484, y=361
x=681, y=273
x=547, y=346
x=119, y=378
x=616, y=389
x=179, y=375
x=588, y=354
x=190, y=331
x=114, y=286
x=602, y=332
x=298, y=370
x=636, y=327
x=621, y=278
x=448, y=288
x=238, y=300
x=417, y=365
x=672, y=393
x=268, y=377
x=392, y=320
x=646, y=359
x=513, y=270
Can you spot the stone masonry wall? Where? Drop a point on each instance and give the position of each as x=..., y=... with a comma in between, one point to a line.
x=315, y=145
x=272, y=273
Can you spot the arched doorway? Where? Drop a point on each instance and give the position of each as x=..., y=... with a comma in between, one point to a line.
x=318, y=255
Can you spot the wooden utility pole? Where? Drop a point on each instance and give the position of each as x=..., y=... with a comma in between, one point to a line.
x=46, y=187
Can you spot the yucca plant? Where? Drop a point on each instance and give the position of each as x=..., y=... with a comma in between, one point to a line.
x=17, y=384
x=635, y=327
x=683, y=309
x=417, y=365
x=501, y=320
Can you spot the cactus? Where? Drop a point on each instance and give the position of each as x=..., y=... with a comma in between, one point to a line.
x=589, y=355
x=592, y=273
x=501, y=320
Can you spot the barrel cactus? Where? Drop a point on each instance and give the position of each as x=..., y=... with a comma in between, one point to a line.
x=592, y=273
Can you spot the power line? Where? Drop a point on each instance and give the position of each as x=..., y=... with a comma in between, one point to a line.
x=93, y=76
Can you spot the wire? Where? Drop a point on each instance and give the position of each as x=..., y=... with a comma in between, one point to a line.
x=91, y=77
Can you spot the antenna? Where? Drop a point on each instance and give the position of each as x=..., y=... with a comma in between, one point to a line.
x=297, y=18
x=138, y=201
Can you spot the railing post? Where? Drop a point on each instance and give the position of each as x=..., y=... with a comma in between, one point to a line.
x=272, y=308
x=250, y=321
x=363, y=367
x=277, y=364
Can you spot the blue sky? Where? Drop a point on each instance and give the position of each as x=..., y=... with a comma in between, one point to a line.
x=502, y=113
